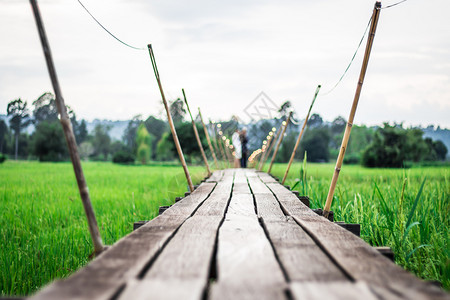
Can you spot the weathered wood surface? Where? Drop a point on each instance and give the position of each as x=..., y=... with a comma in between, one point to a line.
x=241, y=235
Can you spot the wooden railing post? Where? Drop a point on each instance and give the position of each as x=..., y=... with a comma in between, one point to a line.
x=211, y=148
x=300, y=135
x=283, y=130
x=197, y=137
x=340, y=159
x=69, y=135
x=169, y=118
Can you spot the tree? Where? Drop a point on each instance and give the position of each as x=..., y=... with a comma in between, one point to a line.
x=156, y=128
x=315, y=142
x=165, y=147
x=81, y=133
x=129, y=135
x=45, y=108
x=338, y=125
x=3, y=133
x=285, y=108
x=48, y=142
x=20, y=119
x=315, y=121
x=144, y=144
x=441, y=150
x=101, y=141
x=85, y=149
x=177, y=111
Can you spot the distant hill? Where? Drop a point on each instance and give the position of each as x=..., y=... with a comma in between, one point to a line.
x=438, y=134
x=116, y=131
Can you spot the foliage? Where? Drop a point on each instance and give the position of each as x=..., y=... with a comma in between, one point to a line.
x=315, y=141
x=2, y=158
x=187, y=140
x=48, y=142
x=129, y=135
x=156, y=128
x=393, y=146
x=144, y=144
x=3, y=134
x=81, y=133
x=392, y=208
x=165, y=148
x=20, y=119
x=123, y=157
x=101, y=141
x=177, y=111
x=85, y=150
x=43, y=224
x=45, y=109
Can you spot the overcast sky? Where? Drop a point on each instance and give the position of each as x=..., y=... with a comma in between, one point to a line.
x=225, y=53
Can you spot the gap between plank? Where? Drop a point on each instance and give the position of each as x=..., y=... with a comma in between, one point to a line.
x=313, y=237
x=148, y=265
x=213, y=274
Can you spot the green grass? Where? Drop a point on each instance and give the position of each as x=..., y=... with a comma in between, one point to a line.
x=391, y=207
x=43, y=228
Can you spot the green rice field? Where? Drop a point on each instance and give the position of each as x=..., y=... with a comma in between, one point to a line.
x=391, y=208
x=43, y=228
x=44, y=232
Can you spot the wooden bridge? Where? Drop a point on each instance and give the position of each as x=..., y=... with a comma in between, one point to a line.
x=241, y=235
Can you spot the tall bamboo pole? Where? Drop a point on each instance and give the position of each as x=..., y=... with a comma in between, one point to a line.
x=169, y=118
x=208, y=139
x=269, y=139
x=197, y=137
x=272, y=143
x=286, y=123
x=216, y=145
x=300, y=135
x=68, y=133
x=340, y=159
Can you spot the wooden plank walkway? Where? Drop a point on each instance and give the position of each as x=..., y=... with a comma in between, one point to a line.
x=241, y=235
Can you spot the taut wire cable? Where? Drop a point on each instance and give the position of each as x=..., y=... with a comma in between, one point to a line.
x=104, y=28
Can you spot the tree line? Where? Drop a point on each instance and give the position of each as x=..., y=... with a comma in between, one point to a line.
x=150, y=139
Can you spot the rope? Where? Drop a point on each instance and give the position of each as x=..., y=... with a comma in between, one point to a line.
x=128, y=45
x=353, y=58
x=389, y=6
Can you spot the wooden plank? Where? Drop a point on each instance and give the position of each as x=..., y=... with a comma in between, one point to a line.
x=241, y=188
x=266, y=178
x=356, y=257
x=246, y=265
x=187, y=256
x=268, y=207
x=331, y=291
x=278, y=189
x=216, y=176
x=187, y=205
x=105, y=275
x=257, y=186
x=300, y=256
x=186, y=289
x=217, y=202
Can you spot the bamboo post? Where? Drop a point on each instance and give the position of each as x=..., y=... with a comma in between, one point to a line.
x=272, y=143
x=269, y=142
x=208, y=139
x=340, y=159
x=300, y=135
x=285, y=123
x=263, y=150
x=197, y=137
x=68, y=133
x=216, y=145
x=169, y=118
x=227, y=149
x=220, y=146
